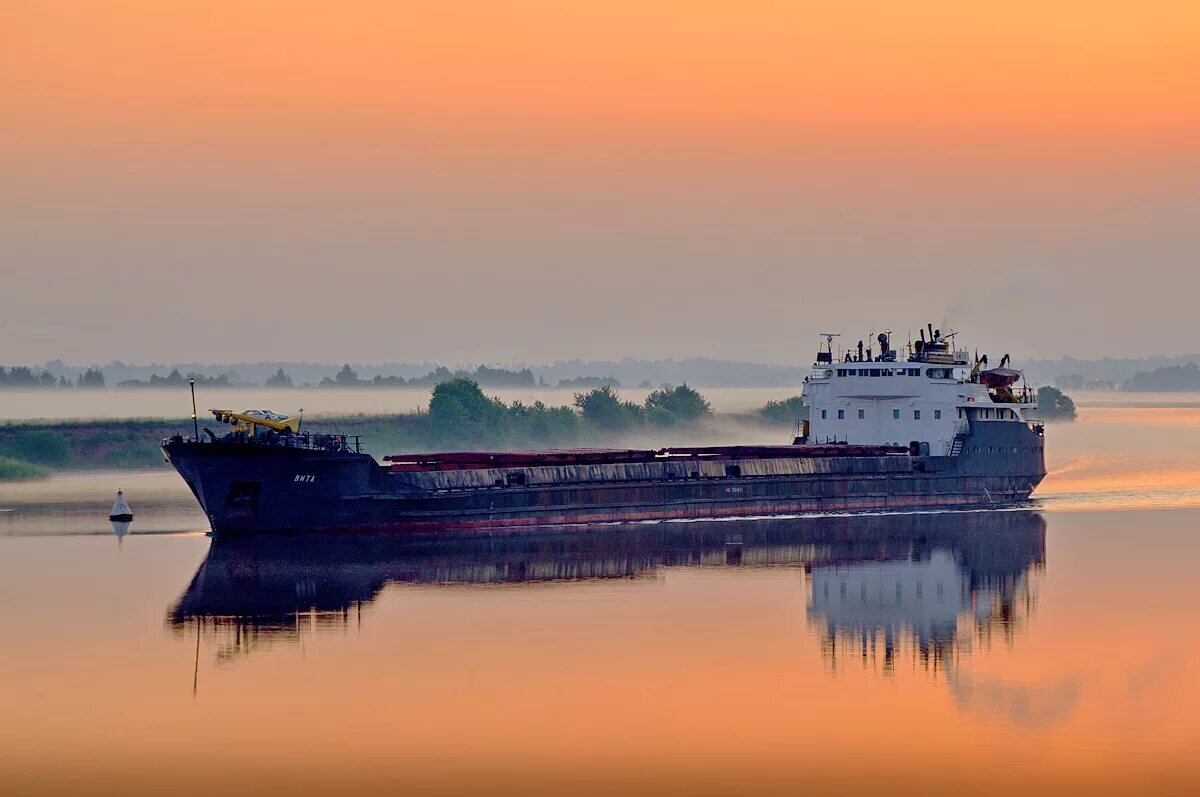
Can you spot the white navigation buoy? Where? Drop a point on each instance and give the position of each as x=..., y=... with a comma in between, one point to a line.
x=120, y=509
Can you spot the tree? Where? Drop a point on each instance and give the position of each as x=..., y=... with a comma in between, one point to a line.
x=541, y=425
x=460, y=413
x=502, y=377
x=21, y=376
x=346, y=376
x=92, y=377
x=787, y=410
x=172, y=379
x=435, y=377
x=279, y=379
x=1054, y=405
x=603, y=409
x=671, y=405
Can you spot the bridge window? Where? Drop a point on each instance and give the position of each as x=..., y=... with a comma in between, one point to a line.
x=896, y=414
x=824, y=414
x=841, y=415
x=937, y=415
x=862, y=414
x=916, y=415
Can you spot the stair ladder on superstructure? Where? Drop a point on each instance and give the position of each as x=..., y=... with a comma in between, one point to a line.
x=960, y=434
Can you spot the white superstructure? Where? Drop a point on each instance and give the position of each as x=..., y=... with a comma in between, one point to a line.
x=929, y=399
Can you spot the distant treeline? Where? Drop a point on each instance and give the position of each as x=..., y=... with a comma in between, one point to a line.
x=572, y=374
x=176, y=379
x=25, y=377
x=1115, y=370
x=594, y=381
x=459, y=415
x=483, y=375
x=1168, y=378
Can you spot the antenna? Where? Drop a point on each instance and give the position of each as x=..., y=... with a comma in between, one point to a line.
x=195, y=421
x=196, y=660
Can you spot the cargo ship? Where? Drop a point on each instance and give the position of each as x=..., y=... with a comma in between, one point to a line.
x=936, y=429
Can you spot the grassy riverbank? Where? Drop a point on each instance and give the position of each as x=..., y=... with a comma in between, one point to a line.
x=33, y=450
x=459, y=416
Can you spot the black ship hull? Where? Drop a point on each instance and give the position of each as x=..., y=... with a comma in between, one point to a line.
x=249, y=488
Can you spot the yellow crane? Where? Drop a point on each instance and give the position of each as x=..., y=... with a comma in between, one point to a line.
x=250, y=420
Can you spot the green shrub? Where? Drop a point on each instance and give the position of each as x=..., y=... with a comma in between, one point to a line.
x=16, y=470
x=660, y=416
x=603, y=409
x=787, y=411
x=41, y=447
x=460, y=413
x=1055, y=405
x=682, y=404
x=537, y=424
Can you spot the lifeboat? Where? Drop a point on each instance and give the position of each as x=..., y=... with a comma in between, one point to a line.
x=999, y=377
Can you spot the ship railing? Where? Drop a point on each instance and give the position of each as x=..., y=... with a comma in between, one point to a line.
x=346, y=443
x=1024, y=396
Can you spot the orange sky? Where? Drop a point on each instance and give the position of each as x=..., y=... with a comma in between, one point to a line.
x=1100, y=71
x=546, y=129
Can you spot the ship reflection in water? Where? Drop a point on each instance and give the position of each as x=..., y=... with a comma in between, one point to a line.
x=881, y=589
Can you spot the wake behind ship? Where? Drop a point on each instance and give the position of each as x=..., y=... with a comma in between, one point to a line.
x=933, y=430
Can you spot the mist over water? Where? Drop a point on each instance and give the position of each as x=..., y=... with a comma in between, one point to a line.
x=1124, y=457
x=1125, y=450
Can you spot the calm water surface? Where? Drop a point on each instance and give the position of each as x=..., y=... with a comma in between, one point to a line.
x=1048, y=651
